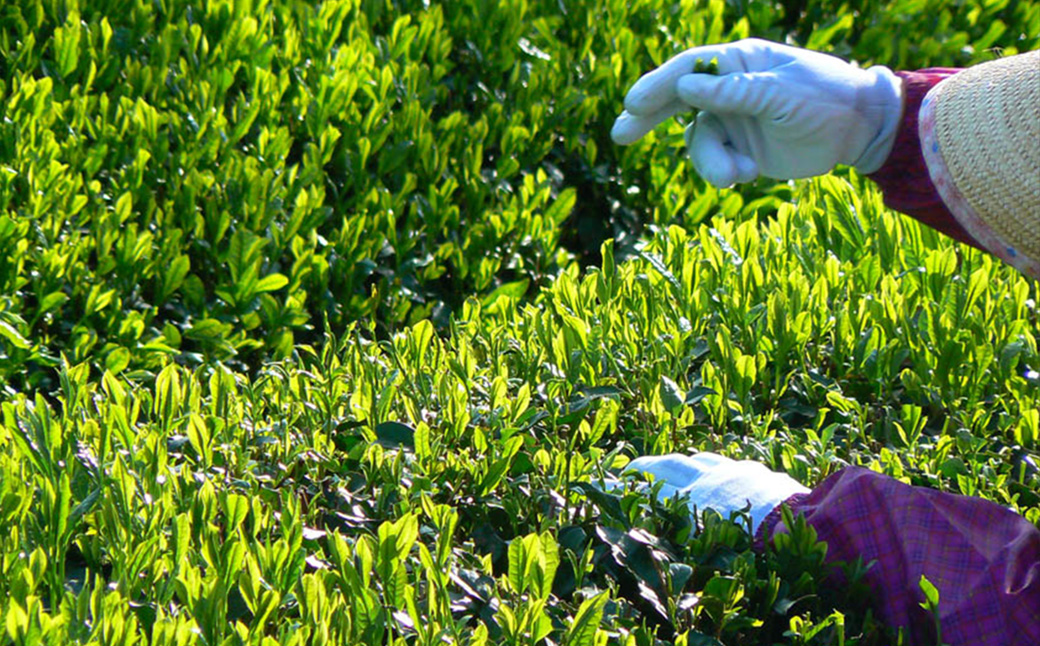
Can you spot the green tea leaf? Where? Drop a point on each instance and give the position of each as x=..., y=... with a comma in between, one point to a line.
x=931, y=593
x=395, y=435
x=672, y=396
x=582, y=631
x=12, y=335
x=271, y=282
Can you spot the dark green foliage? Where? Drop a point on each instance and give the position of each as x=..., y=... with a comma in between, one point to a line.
x=307, y=334
x=214, y=183
x=423, y=488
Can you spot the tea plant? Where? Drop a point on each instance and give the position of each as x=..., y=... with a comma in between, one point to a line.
x=213, y=183
x=326, y=322
x=422, y=488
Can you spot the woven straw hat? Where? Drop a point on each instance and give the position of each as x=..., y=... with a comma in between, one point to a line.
x=981, y=127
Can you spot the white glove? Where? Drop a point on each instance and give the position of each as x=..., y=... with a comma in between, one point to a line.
x=773, y=110
x=719, y=483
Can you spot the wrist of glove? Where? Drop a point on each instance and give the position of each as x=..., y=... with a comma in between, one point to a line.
x=716, y=482
x=773, y=110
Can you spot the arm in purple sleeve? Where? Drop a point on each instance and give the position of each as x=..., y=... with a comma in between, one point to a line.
x=984, y=559
x=904, y=178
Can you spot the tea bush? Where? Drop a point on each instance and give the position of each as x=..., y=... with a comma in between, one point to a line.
x=426, y=488
x=213, y=183
x=322, y=322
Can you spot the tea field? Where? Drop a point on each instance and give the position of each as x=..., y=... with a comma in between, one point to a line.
x=320, y=323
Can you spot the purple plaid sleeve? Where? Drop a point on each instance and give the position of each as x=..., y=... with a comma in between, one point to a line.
x=984, y=559
x=904, y=179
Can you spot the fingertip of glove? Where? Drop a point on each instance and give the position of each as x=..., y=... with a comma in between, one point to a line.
x=715, y=167
x=719, y=175
x=624, y=131
x=747, y=169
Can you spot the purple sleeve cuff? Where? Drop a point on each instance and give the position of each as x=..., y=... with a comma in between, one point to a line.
x=983, y=558
x=904, y=178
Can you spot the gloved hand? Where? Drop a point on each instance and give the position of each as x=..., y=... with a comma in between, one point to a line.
x=773, y=110
x=717, y=482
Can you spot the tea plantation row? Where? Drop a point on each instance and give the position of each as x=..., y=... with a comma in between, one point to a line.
x=208, y=183
x=429, y=488
x=321, y=322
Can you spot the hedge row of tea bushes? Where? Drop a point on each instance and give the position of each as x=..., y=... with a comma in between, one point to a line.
x=425, y=489
x=309, y=332
x=196, y=182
